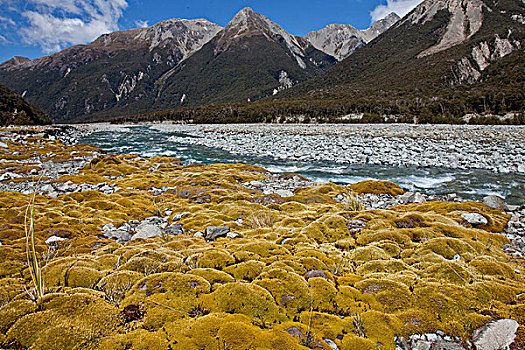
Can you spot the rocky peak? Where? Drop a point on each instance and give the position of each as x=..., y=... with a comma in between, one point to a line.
x=341, y=40
x=14, y=62
x=248, y=23
x=383, y=24
x=186, y=35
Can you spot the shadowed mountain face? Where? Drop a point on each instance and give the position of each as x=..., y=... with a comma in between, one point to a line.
x=111, y=72
x=171, y=64
x=15, y=110
x=440, y=44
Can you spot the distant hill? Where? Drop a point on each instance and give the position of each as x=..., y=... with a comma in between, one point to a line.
x=15, y=110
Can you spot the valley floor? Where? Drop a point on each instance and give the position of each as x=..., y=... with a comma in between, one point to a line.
x=153, y=253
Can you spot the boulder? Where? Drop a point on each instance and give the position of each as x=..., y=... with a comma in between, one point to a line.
x=496, y=335
x=494, y=202
x=475, y=219
x=146, y=231
x=175, y=230
x=214, y=232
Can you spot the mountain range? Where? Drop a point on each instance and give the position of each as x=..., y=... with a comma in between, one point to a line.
x=446, y=57
x=178, y=63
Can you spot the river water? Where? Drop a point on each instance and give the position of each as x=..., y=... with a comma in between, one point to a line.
x=149, y=141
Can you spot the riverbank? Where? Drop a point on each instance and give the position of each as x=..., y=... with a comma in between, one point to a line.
x=152, y=252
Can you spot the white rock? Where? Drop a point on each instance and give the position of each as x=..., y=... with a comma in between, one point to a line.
x=284, y=193
x=521, y=168
x=3, y=145
x=475, y=218
x=232, y=235
x=146, y=231
x=496, y=335
x=198, y=234
x=55, y=239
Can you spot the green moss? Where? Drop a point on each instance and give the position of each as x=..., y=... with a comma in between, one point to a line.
x=243, y=298
x=215, y=259
x=63, y=321
x=165, y=296
x=377, y=187
x=215, y=277
x=248, y=270
x=139, y=339
x=287, y=288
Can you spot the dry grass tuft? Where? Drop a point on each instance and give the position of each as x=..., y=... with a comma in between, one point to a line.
x=260, y=219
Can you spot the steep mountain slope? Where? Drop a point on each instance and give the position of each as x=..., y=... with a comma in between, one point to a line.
x=251, y=58
x=114, y=70
x=341, y=40
x=440, y=44
x=15, y=110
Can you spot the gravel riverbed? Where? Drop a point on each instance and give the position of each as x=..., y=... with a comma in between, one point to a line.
x=495, y=148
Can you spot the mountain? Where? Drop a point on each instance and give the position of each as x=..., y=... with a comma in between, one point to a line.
x=251, y=58
x=15, y=110
x=441, y=44
x=171, y=64
x=341, y=40
x=113, y=71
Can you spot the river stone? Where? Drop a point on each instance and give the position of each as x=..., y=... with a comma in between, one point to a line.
x=494, y=202
x=146, y=231
x=175, y=230
x=496, y=335
x=475, y=218
x=121, y=236
x=214, y=232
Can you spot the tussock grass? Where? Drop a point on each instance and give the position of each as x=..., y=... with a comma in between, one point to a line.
x=260, y=219
x=354, y=203
x=32, y=260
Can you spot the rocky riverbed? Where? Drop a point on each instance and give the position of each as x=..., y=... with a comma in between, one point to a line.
x=154, y=253
x=495, y=148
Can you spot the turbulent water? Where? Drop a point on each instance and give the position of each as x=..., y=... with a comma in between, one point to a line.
x=471, y=184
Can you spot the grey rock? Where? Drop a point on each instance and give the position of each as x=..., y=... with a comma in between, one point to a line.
x=146, y=231
x=315, y=273
x=494, y=202
x=496, y=335
x=108, y=227
x=175, y=230
x=121, y=236
x=213, y=232
x=521, y=168
x=198, y=234
x=55, y=239
x=474, y=218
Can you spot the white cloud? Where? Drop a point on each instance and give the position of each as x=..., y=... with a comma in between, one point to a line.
x=142, y=24
x=56, y=24
x=3, y=39
x=401, y=7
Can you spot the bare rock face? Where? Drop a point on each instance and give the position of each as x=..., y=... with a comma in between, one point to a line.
x=496, y=335
x=466, y=18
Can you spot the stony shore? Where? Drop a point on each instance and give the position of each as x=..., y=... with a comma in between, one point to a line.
x=495, y=148
x=150, y=253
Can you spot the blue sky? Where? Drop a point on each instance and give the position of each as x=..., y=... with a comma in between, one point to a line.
x=33, y=28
